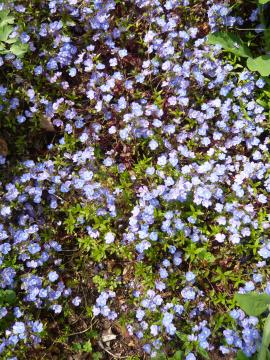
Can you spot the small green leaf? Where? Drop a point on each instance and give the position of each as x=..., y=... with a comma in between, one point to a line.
x=97, y=356
x=5, y=18
x=260, y=64
x=203, y=353
x=87, y=347
x=178, y=355
x=263, y=2
x=160, y=357
x=230, y=42
x=19, y=49
x=11, y=40
x=265, y=340
x=77, y=346
x=7, y=297
x=5, y=31
x=253, y=304
x=241, y=356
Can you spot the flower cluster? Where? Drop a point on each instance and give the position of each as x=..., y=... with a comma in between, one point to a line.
x=247, y=340
x=158, y=171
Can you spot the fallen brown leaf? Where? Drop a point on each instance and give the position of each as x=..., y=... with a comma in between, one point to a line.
x=3, y=147
x=46, y=124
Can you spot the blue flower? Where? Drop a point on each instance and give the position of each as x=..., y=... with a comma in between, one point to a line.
x=76, y=301
x=188, y=293
x=37, y=326
x=109, y=238
x=33, y=248
x=18, y=327
x=53, y=276
x=56, y=308
x=190, y=356
x=190, y=276
x=72, y=72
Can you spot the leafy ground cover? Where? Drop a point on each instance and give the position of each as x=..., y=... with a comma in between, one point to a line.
x=135, y=184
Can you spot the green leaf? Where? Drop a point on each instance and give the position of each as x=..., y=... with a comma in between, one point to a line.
x=97, y=356
x=241, y=356
x=178, y=355
x=11, y=40
x=263, y=2
x=266, y=36
x=5, y=18
x=7, y=297
x=5, y=31
x=203, y=353
x=87, y=347
x=253, y=304
x=10, y=297
x=160, y=357
x=260, y=64
x=263, y=354
x=19, y=49
x=230, y=42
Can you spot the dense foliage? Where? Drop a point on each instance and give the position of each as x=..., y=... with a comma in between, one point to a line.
x=134, y=152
